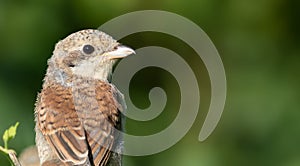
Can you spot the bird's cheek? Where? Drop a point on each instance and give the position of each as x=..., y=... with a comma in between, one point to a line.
x=98, y=59
x=70, y=63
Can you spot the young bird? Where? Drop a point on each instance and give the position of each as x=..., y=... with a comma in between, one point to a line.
x=78, y=112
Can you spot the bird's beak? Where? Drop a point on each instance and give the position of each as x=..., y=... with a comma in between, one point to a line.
x=120, y=52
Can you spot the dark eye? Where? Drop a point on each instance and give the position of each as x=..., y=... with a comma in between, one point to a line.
x=88, y=49
x=71, y=65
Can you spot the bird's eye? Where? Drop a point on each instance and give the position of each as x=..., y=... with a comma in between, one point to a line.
x=88, y=49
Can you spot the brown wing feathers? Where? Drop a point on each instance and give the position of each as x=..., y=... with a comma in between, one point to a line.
x=63, y=129
x=61, y=126
x=103, y=132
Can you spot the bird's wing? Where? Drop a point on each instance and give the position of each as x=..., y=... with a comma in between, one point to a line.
x=60, y=124
x=101, y=131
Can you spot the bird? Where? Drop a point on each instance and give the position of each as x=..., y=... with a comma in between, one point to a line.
x=78, y=112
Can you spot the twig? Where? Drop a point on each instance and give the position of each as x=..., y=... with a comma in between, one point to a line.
x=12, y=155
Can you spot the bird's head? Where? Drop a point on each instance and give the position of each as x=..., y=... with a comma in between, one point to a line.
x=87, y=53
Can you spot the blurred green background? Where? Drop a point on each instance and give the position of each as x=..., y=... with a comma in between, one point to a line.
x=258, y=42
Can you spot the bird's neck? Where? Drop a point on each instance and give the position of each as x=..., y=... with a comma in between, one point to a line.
x=94, y=69
x=58, y=76
x=67, y=78
x=102, y=72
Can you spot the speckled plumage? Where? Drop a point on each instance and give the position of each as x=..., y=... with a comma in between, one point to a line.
x=78, y=110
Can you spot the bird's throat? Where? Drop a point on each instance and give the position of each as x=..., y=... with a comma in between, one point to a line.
x=92, y=70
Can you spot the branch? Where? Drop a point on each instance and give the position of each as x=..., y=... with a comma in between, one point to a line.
x=12, y=155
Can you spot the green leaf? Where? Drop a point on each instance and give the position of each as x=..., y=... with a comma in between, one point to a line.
x=10, y=134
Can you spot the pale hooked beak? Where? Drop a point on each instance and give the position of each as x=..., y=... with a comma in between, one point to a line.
x=120, y=52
